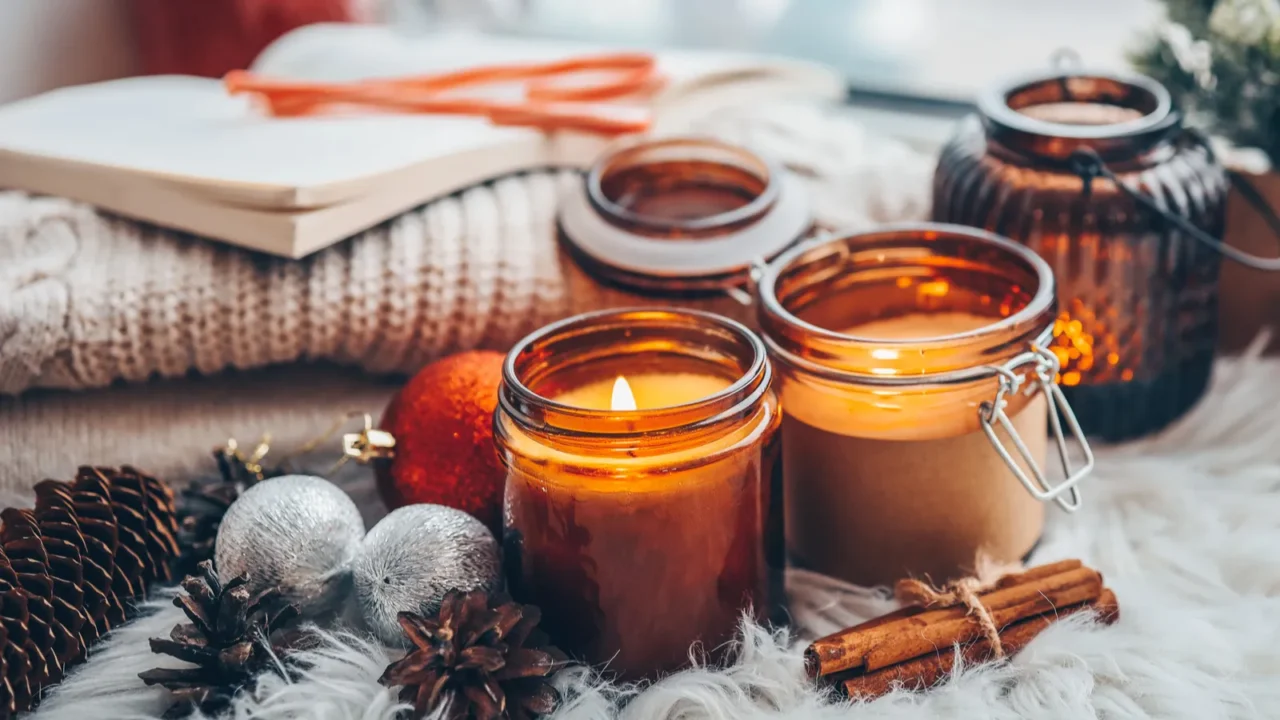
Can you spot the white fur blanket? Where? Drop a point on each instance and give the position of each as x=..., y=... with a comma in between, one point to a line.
x=1186, y=527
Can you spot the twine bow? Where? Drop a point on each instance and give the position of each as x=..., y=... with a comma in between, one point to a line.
x=964, y=591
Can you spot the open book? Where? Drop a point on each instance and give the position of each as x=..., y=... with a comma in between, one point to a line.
x=180, y=152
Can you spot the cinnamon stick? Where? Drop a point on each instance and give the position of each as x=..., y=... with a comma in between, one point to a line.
x=920, y=634
x=915, y=631
x=1039, y=572
x=927, y=670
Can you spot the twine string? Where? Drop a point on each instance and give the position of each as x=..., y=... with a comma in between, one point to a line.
x=964, y=591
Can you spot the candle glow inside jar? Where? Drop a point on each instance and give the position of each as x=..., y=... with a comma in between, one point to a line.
x=912, y=366
x=642, y=505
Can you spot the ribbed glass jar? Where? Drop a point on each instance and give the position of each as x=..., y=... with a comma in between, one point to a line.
x=1137, y=322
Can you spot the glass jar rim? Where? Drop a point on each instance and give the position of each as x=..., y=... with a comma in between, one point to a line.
x=1003, y=120
x=712, y=254
x=619, y=155
x=785, y=333
x=519, y=401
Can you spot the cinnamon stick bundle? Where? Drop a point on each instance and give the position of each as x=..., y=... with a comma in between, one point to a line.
x=927, y=670
x=914, y=646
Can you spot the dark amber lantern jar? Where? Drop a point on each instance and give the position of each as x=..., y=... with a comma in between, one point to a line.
x=642, y=521
x=1137, y=297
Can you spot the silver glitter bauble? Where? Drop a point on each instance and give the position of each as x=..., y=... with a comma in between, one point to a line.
x=297, y=532
x=413, y=557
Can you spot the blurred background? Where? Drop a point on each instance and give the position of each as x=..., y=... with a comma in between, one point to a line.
x=932, y=53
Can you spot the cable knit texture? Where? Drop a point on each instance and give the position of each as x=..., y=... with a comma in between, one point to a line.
x=87, y=299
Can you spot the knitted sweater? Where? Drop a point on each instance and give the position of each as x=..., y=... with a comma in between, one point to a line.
x=87, y=299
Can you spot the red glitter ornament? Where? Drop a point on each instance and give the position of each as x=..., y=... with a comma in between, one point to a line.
x=442, y=421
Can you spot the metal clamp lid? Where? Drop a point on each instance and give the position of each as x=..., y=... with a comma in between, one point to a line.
x=1044, y=366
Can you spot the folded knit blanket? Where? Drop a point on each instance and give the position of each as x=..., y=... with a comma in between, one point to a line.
x=87, y=299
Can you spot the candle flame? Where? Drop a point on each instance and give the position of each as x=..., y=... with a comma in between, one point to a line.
x=622, y=397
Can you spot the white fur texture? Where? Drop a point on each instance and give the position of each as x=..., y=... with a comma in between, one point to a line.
x=1186, y=527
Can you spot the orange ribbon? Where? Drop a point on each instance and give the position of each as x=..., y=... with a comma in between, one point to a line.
x=569, y=94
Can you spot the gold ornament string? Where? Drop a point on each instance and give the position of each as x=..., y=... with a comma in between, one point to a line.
x=365, y=446
x=252, y=464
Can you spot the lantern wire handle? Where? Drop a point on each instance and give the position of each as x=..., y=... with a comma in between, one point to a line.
x=1086, y=163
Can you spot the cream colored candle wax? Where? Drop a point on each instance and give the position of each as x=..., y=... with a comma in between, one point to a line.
x=886, y=483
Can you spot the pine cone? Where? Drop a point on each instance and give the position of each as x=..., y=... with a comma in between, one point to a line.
x=23, y=546
x=204, y=502
x=79, y=582
x=66, y=573
x=228, y=639
x=478, y=658
x=91, y=499
x=145, y=521
x=152, y=501
x=22, y=658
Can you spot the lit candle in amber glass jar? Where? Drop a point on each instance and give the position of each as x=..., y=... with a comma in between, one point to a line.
x=914, y=370
x=642, y=509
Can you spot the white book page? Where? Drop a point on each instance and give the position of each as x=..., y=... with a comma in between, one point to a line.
x=190, y=128
x=190, y=131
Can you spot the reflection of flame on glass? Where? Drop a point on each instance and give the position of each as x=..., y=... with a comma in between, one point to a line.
x=1074, y=348
x=933, y=289
x=622, y=397
x=1087, y=352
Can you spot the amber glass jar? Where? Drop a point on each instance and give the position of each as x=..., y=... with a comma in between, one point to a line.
x=1137, y=320
x=678, y=220
x=640, y=532
x=916, y=387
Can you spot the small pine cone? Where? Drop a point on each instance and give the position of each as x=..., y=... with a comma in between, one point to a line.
x=23, y=546
x=22, y=659
x=78, y=581
x=129, y=547
x=228, y=640
x=480, y=657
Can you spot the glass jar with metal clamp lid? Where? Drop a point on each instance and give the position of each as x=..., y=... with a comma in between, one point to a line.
x=677, y=220
x=918, y=401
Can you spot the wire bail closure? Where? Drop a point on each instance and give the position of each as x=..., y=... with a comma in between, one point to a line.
x=1043, y=366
